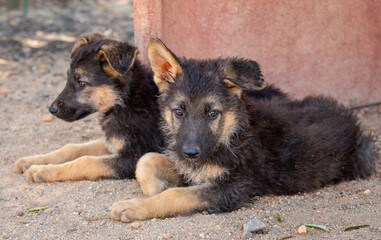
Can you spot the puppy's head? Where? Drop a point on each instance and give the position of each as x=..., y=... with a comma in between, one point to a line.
x=98, y=70
x=201, y=99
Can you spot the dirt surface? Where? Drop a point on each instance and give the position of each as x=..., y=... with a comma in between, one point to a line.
x=33, y=62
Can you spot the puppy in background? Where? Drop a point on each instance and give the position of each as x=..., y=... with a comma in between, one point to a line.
x=105, y=76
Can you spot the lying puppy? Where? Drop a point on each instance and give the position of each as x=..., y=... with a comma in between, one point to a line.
x=106, y=77
x=228, y=147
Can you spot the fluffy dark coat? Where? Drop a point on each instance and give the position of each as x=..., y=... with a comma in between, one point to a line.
x=228, y=146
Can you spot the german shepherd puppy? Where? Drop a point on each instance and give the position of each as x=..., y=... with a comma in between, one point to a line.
x=226, y=147
x=106, y=77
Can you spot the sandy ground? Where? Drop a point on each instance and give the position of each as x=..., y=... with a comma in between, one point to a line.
x=33, y=62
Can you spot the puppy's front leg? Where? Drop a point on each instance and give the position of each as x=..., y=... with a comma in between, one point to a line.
x=83, y=168
x=155, y=173
x=172, y=202
x=67, y=153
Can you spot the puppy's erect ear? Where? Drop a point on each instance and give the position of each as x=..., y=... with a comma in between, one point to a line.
x=164, y=64
x=83, y=41
x=241, y=74
x=117, y=59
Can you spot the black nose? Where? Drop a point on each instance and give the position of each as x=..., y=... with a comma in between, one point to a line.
x=53, y=110
x=191, y=151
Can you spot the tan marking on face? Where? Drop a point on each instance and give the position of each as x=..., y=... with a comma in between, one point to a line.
x=103, y=98
x=215, y=125
x=155, y=173
x=83, y=168
x=115, y=144
x=172, y=121
x=230, y=124
x=172, y=202
x=79, y=71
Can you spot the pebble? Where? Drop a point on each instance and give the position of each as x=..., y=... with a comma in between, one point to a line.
x=45, y=93
x=48, y=118
x=19, y=213
x=71, y=230
x=4, y=90
x=167, y=236
x=253, y=226
x=302, y=230
x=368, y=191
x=135, y=225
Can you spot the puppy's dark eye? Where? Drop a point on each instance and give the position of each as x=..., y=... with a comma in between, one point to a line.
x=81, y=84
x=213, y=114
x=179, y=113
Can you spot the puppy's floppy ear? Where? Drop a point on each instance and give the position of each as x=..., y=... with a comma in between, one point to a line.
x=164, y=63
x=117, y=59
x=82, y=41
x=241, y=74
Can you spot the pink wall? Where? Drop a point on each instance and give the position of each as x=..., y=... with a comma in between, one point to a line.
x=305, y=47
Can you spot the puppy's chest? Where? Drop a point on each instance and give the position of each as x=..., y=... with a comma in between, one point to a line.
x=114, y=144
x=205, y=173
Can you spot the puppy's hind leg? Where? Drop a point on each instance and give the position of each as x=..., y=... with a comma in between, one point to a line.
x=155, y=174
x=65, y=154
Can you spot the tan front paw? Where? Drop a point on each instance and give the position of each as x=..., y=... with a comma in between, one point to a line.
x=41, y=173
x=128, y=211
x=23, y=164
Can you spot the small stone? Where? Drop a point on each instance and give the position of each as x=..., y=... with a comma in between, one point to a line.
x=253, y=226
x=19, y=213
x=204, y=213
x=135, y=225
x=45, y=93
x=48, y=118
x=302, y=230
x=344, y=206
x=4, y=90
x=202, y=236
x=71, y=230
x=368, y=191
x=167, y=236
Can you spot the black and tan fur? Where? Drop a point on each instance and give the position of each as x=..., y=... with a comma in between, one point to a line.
x=226, y=146
x=105, y=77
